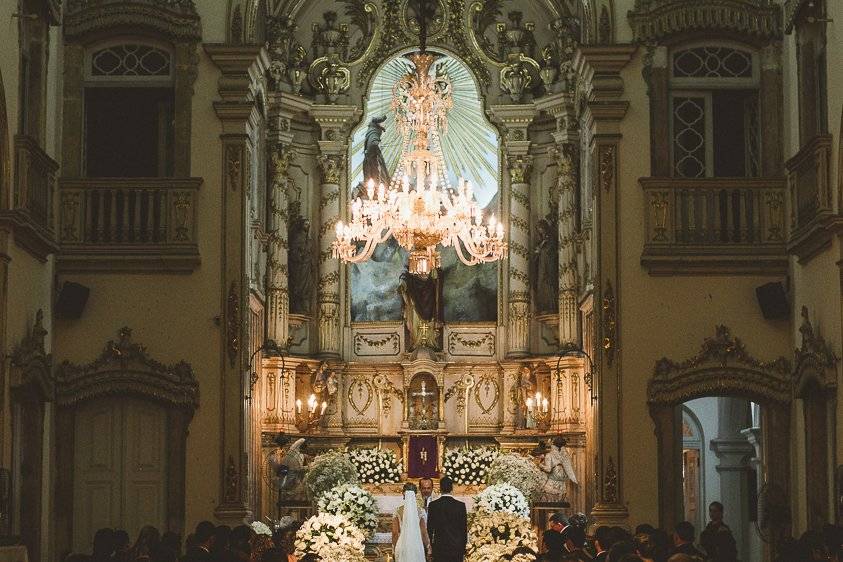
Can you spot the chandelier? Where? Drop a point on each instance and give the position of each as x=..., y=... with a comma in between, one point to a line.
x=420, y=208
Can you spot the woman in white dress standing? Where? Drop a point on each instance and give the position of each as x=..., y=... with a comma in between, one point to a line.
x=409, y=529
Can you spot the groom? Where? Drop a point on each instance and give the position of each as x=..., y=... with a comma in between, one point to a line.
x=447, y=525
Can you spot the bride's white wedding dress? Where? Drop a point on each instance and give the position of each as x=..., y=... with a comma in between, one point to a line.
x=410, y=547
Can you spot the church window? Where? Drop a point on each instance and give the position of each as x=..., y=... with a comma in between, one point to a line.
x=714, y=112
x=129, y=111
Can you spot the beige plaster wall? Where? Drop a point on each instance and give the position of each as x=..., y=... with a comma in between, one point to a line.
x=666, y=316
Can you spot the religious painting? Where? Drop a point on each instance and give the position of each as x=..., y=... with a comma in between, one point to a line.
x=470, y=147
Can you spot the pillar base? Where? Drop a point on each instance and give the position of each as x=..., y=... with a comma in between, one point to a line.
x=609, y=514
x=233, y=514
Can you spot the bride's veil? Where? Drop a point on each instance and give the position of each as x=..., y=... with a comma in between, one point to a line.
x=410, y=547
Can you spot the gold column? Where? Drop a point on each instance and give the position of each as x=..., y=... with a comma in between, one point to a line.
x=238, y=114
x=334, y=122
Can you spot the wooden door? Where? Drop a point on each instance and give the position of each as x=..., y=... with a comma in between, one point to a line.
x=120, y=476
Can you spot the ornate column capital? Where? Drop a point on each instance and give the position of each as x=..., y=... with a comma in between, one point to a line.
x=334, y=122
x=332, y=167
x=514, y=120
x=519, y=167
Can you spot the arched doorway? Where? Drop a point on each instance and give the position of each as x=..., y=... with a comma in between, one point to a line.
x=121, y=428
x=724, y=368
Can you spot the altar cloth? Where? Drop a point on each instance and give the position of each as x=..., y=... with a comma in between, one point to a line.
x=387, y=504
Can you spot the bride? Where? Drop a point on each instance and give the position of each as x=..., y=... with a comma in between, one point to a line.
x=409, y=529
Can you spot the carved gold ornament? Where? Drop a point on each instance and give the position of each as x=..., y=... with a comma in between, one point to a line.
x=360, y=395
x=486, y=393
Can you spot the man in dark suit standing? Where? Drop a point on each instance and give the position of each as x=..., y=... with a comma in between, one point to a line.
x=447, y=525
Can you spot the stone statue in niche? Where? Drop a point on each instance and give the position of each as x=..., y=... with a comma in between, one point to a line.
x=300, y=259
x=374, y=166
x=545, y=265
x=560, y=470
x=422, y=303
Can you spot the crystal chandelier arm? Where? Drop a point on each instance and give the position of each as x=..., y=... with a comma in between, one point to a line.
x=458, y=243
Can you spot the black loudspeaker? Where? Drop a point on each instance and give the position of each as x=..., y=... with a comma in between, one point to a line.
x=72, y=300
x=772, y=299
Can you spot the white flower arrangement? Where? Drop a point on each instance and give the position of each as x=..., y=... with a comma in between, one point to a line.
x=503, y=497
x=354, y=503
x=330, y=537
x=329, y=470
x=469, y=466
x=495, y=534
x=376, y=466
x=519, y=471
x=261, y=528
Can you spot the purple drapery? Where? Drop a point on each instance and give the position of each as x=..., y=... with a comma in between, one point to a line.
x=423, y=456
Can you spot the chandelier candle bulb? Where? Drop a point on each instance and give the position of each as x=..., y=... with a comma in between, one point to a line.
x=325, y=407
x=298, y=406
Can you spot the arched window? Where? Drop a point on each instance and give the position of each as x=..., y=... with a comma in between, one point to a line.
x=714, y=121
x=129, y=110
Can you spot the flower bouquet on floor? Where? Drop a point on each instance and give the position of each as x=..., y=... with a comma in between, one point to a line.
x=503, y=497
x=327, y=471
x=376, y=466
x=519, y=471
x=354, y=503
x=494, y=535
x=469, y=466
x=330, y=537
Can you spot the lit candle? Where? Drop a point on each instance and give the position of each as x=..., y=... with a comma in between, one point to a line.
x=544, y=405
x=298, y=406
x=530, y=404
x=324, y=407
x=311, y=403
x=538, y=397
x=370, y=188
x=339, y=228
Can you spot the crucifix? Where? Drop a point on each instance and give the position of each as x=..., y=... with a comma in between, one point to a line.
x=422, y=410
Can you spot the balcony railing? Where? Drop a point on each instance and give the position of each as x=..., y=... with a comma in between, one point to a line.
x=35, y=178
x=128, y=223
x=714, y=225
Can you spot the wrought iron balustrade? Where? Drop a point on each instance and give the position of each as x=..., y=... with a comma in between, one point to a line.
x=128, y=223
x=35, y=178
x=714, y=225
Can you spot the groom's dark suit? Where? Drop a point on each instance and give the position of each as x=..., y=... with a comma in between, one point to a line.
x=447, y=527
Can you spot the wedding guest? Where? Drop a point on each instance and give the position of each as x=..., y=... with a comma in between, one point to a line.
x=645, y=548
x=260, y=544
x=575, y=542
x=603, y=541
x=148, y=539
x=241, y=538
x=716, y=539
x=621, y=550
x=103, y=545
x=203, y=542
x=553, y=539
x=683, y=540
x=162, y=553
x=172, y=541
x=121, y=545
x=222, y=541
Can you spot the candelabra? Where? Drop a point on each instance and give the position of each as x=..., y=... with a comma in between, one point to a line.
x=539, y=409
x=308, y=420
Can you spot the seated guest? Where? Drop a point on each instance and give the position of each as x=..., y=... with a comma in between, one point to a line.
x=148, y=540
x=103, y=545
x=172, y=541
x=621, y=550
x=121, y=545
x=683, y=540
x=553, y=538
x=574, y=537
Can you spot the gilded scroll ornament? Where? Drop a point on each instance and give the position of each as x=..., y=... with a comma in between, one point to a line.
x=519, y=167
x=360, y=394
x=722, y=365
x=610, y=483
x=233, y=323
x=232, y=482
x=486, y=393
x=383, y=343
x=483, y=343
x=460, y=389
x=814, y=357
x=386, y=390
x=609, y=323
x=607, y=167
x=331, y=166
x=233, y=165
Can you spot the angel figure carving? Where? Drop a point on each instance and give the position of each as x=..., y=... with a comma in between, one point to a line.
x=560, y=469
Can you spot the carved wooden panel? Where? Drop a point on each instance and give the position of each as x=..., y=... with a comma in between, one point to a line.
x=471, y=342
x=382, y=342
